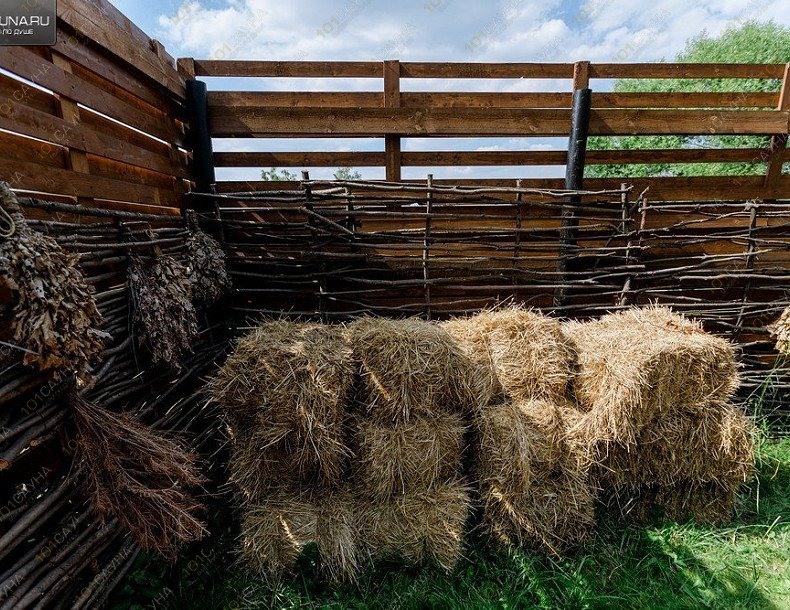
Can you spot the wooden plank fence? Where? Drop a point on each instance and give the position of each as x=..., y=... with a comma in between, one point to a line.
x=391, y=113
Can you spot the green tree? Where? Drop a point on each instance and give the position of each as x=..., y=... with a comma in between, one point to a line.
x=750, y=43
x=274, y=174
x=347, y=173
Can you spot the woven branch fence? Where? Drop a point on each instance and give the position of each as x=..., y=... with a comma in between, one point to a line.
x=334, y=250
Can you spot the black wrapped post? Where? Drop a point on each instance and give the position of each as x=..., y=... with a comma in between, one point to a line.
x=202, y=151
x=574, y=180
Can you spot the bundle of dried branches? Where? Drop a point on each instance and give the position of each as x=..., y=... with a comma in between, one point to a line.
x=207, y=269
x=55, y=314
x=163, y=311
x=137, y=475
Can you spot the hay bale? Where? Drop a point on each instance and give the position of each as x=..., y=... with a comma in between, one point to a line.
x=639, y=363
x=411, y=456
x=418, y=527
x=690, y=462
x=523, y=353
x=780, y=330
x=534, y=485
x=409, y=368
x=274, y=532
x=289, y=382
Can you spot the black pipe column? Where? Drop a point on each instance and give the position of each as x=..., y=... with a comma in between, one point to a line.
x=574, y=180
x=202, y=150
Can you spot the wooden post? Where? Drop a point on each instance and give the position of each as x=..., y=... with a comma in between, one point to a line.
x=202, y=151
x=426, y=250
x=392, y=158
x=574, y=173
x=779, y=141
x=626, y=228
x=753, y=208
x=517, y=236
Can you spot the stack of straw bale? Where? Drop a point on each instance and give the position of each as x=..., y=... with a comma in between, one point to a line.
x=369, y=440
x=654, y=392
x=409, y=430
x=284, y=392
x=533, y=482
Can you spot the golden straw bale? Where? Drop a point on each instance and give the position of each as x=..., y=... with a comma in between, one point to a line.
x=409, y=368
x=714, y=444
x=691, y=462
x=528, y=352
x=262, y=458
x=275, y=531
x=556, y=512
x=639, y=363
x=419, y=527
x=780, y=330
x=533, y=483
x=290, y=383
x=406, y=457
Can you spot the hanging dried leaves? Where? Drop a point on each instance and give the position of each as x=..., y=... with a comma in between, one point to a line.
x=55, y=315
x=139, y=476
x=207, y=269
x=163, y=311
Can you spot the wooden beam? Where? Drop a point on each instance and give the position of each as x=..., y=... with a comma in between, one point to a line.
x=779, y=141
x=246, y=121
x=392, y=152
x=682, y=70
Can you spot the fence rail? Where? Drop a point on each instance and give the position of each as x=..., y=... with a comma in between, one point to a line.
x=393, y=114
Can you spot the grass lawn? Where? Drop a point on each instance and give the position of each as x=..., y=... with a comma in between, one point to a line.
x=743, y=565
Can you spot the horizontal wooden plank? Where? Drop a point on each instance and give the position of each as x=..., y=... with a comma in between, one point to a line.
x=697, y=188
x=684, y=70
x=359, y=69
x=249, y=121
x=35, y=69
x=411, y=69
x=682, y=99
x=82, y=52
x=13, y=92
x=33, y=176
x=51, y=129
x=371, y=99
x=105, y=26
x=321, y=69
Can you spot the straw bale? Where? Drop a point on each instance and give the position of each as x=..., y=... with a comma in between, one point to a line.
x=534, y=484
x=409, y=368
x=639, y=363
x=276, y=530
x=410, y=456
x=524, y=352
x=421, y=527
x=780, y=330
x=289, y=383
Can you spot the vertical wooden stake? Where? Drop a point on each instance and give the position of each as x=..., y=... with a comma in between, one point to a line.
x=574, y=173
x=779, y=141
x=392, y=158
x=426, y=249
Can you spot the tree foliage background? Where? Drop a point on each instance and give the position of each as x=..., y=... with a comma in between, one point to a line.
x=751, y=43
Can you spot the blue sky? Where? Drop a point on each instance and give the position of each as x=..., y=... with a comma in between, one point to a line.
x=432, y=30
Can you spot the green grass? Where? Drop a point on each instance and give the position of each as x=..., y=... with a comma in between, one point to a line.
x=666, y=565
